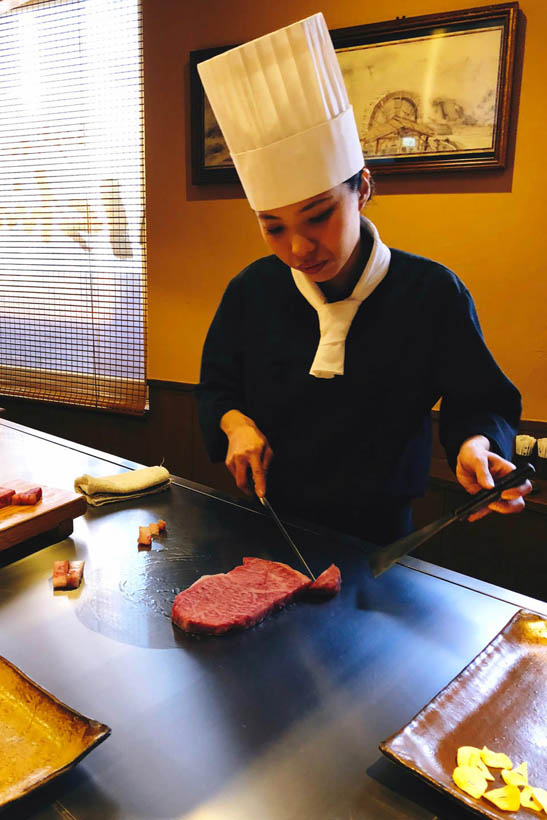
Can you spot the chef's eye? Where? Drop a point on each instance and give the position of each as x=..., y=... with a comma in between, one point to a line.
x=322, y=217
x=275, y=230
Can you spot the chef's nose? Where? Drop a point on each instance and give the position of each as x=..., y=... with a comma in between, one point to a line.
x=301, y=246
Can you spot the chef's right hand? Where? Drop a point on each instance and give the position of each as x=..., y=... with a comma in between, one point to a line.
x=249, y=453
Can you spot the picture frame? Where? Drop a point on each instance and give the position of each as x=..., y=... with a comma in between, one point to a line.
x=211, y=161
x=437, y=95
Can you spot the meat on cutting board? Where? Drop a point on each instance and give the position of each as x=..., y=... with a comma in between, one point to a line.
x=6, y=494
x=21, y=497
x=27, y=497
x=326, y=585
x=237, y=599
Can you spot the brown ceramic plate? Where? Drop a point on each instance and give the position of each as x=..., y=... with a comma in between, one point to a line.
x=40, y=737
x=499, y=701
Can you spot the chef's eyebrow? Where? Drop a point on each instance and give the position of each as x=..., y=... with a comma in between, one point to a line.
x=305, y=208
x=314, y=203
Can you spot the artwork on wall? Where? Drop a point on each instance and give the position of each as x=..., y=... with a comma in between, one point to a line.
x=429, y=93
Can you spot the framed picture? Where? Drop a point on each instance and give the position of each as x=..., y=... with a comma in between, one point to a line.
x=429, y=93
x=211, y=161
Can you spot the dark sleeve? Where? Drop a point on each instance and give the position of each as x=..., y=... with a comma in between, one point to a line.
x=221, y=386
x=477, y=398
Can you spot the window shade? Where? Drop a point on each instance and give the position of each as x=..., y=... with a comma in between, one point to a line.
x=72, y=230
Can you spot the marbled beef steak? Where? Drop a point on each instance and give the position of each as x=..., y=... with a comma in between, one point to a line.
x=237, y=599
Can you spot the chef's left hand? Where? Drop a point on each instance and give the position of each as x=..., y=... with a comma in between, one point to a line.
x=478, y=468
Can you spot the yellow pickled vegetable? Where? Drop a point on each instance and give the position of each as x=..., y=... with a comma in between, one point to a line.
x=527, y=799
x=497, y=760
x=507, y=798
x=471, y=756
x=541, y=797
x=470, y=780
x=517, y=776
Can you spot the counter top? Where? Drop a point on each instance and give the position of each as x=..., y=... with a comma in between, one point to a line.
x=278, y=722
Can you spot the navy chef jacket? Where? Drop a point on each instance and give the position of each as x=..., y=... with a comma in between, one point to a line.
x=364, y=437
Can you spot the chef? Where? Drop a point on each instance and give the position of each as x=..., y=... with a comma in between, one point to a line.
x=324, y=359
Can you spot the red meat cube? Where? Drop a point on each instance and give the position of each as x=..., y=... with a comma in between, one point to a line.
x=60, y=574
x=75, y=572
x=327, y=585
x=5, y=496
x=145, y=536
x=67, y=574
x=27, y=497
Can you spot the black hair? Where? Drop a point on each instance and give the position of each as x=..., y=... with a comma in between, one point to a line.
x=354, y=183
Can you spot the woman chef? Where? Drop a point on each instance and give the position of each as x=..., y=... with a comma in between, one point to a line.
x=323, y=360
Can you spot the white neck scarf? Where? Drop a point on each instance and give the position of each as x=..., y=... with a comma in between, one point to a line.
x=335, y=318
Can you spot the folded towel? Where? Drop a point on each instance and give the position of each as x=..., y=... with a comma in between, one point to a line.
x=122, y=487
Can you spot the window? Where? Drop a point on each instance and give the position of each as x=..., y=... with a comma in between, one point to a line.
x=72, y=229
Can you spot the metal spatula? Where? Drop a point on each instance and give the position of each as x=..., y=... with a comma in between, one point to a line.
x=385, y=557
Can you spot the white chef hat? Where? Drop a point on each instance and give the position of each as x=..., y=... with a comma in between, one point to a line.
x=282, y=106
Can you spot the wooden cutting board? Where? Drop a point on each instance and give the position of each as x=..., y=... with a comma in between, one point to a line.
x=18, y=523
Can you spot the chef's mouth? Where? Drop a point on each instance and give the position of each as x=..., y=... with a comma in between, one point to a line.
x=313, y=268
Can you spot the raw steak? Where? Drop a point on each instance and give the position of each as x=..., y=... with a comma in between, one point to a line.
x=327, y=585
x=236, y=599
x=32, y=496
x=5, y=496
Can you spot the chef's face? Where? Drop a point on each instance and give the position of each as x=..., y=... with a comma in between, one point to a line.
x=320, y=235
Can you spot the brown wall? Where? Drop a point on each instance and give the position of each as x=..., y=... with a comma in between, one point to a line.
x=486, y=226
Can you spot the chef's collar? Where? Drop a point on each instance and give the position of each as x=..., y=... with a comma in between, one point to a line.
x=335, y=318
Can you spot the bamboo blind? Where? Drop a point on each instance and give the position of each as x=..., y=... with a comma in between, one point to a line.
x=72, y=232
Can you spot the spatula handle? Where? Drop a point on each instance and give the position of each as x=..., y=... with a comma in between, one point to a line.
x=485, y=497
